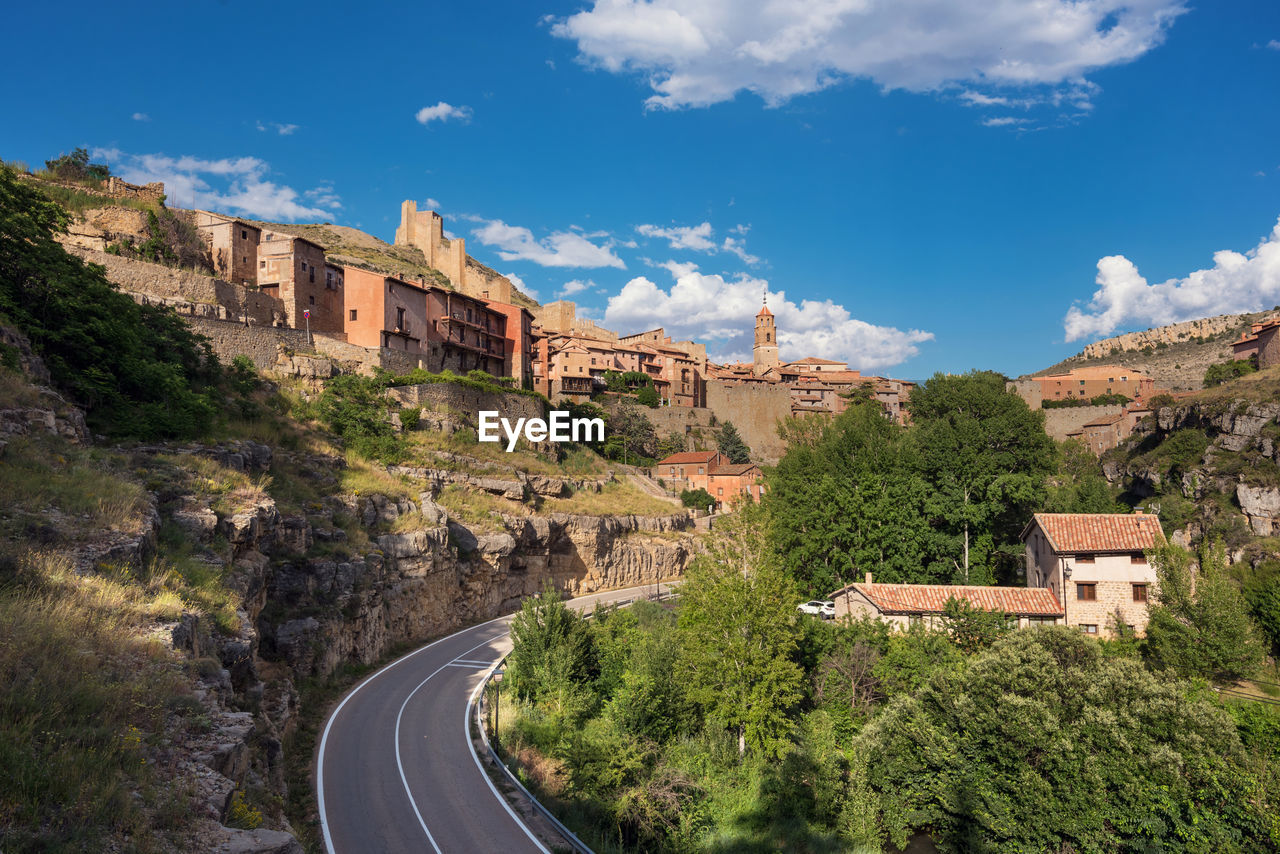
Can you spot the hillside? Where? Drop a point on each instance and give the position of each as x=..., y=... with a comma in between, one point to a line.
x=1176, y=355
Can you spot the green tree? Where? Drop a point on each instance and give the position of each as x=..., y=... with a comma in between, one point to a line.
x=630, y=436
x=648, y=396
x=1078, y=485
x=552, y=650
x=738, y=632
x=76, y=167
x=1199, y=623
x=672, y=443
x=974, y=629
x=698, y=499
x=731, y=445
x=355, y=407
x=138, y=370
x=1043, y=744
x=986, y=457
x=848, y=501
x=1222, y=372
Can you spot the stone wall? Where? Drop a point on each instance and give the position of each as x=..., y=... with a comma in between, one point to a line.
x=755, y=411
x=686, y=421
x=153, y=192
x=1059, y=422
x=262, y=345
x=186, y=291
x=464, y=403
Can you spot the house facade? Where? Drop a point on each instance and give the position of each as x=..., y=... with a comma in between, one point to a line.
x=1262, y=341
x=1096, y=565
x=735, y=482
x=905, y=605
x=689, y=469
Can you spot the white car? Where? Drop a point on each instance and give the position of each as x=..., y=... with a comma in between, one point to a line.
x=824, y=608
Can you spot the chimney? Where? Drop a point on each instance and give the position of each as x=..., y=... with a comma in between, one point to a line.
x=868, y=581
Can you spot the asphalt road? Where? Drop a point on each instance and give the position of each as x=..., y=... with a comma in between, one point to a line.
x=396, y=772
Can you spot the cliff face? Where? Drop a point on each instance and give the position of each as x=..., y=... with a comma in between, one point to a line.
x=1211, y=467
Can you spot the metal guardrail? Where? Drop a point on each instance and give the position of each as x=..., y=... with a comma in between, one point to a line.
x=482, y=707
x=574, y=842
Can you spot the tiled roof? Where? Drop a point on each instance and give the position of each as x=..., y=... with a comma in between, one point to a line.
x=932, y=598
x=814, y=360
x=733, y=469
x=1072, y=533
x=689, y=457
x=1105, y=420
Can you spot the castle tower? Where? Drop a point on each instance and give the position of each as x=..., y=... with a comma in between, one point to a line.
x=765, y=353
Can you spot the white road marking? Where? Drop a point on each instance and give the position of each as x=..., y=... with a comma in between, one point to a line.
x=468, y=664
x=324, y=739
x=466, y=733
x=400, y=764
x=468, y=661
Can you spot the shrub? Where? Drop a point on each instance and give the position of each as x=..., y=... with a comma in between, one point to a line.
x=410, y=417
x=648, y=396
x=1229, y=370
x=698, y=499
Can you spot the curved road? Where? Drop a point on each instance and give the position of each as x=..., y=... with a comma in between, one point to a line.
x=396, y=771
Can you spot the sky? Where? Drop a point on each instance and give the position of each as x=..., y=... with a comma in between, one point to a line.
x=917, y=185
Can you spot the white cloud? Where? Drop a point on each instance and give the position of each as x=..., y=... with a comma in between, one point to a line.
x=739, y=248
x=1273, y=44
x=521, y=286
x=1004, y=121
x=443, y=112
x=558, y=249
x=1235, y=283
x=696, y=237
x=694, y=53
x=722, y=312
x=141, y=117
x=575, y=286
x=233, y=184
x=432, y=204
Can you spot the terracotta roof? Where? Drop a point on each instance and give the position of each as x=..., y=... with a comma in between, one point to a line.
x=1072, y=533
x=689, y=457
x=764, y=310
x=932, y=598
x=733, y=469
x=814, y=360
x=1104, y=421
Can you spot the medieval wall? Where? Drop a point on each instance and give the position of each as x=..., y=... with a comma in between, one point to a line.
x=755, y=410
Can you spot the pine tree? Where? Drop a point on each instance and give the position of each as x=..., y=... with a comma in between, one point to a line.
x=731, y=445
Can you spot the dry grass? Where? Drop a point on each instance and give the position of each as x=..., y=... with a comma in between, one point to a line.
x=619, y=498
x=479, y=510
x=83, y=697
x=578, y=462
x=1260, y=387
x=362, y=477
x=89, y=489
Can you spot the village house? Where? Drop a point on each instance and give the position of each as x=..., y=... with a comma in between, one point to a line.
x=1261, y=341
x=1090, y=382
x=519, y=340
x=689, y=469
x=1108, y=431
x=1096, y=565
x=906, y=605
x=733, y=482
x=294, y=271
x=233, y=246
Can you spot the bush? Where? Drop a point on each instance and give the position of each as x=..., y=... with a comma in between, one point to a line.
x=410, y=417
x=699, y=499
x=76, y=167
x=1229, y=370
x=648, y=396
x=138, y=370
x=355, y=408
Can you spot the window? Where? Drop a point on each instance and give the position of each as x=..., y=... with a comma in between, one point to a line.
x=313, y=300
x=720, y=491
x=262, y=264
x=399, y=319
x=1137, y=557
x=313, y=273
x=1087, y=592
x=1140, y=593
x=353, y=314
x=700, y=470
x=1089, y=628
x=1041, y=621
x=1084, y=559
x=244, y=235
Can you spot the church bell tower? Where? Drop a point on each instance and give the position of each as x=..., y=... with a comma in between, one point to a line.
x=765, y=352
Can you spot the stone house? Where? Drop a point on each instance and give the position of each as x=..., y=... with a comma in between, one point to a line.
x=519, y=340
x=1096, y=565
x=1090, y=382
x=1261, y=341
x=689, y=469
x=465, y=333
x=294, y=270
x=385, y=312
x=905, y=605
x=734, y=482
x=233, y=246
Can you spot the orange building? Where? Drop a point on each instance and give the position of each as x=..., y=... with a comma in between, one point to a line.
x=294, y=271
x=1088, y=383
x=383, y=311
x=735, y=482
x=465, y=334
x=1261, y=341
x=689, y=469
x=519, y=340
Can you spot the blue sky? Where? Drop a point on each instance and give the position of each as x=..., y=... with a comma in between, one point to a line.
x=920, y=185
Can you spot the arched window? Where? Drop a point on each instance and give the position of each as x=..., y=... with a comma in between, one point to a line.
x=768, y=336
